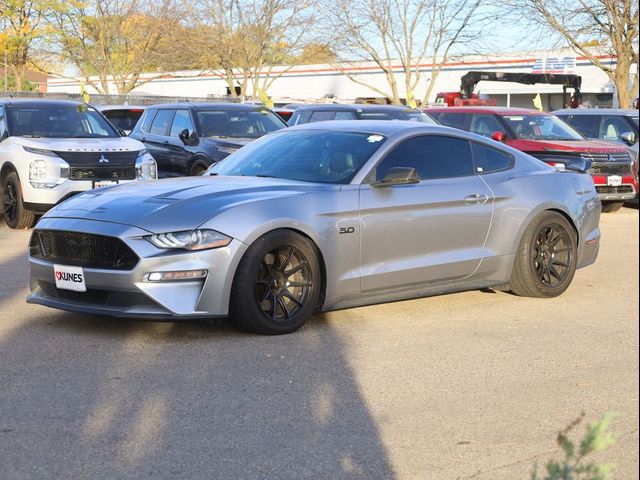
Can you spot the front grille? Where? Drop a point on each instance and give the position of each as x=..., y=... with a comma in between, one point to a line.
x=82, y=250
x=103, y=173
x=607, y=157
x=620, y=189
x=82, y=159
x=610, y=168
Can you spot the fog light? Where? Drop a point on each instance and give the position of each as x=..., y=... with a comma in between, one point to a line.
x=174, y=276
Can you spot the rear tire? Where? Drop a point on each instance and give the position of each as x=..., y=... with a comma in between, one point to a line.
x=16, y=216
x=546, y=258
x=277, y=284
x=610, y=207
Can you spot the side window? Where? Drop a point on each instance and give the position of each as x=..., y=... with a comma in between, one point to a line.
x=587, y=125
x=160, y=124
x=432, y=156
x=344, y=116
x=485, y=125
x=455, y=120
x=489, y=160
x=298, y=118
x=3, y=124
x=148, y=118
x=181, y=121
x=612, y=127
x=321, y=116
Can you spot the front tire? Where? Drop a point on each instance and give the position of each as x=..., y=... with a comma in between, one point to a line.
x=546, y=259
x=16, y=216
x=277, y=284
x=610, y=207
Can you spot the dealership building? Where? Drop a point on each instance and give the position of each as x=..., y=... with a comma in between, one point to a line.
x=332, y=83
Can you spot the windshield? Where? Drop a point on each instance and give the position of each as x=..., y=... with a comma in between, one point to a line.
x=635, y=121
x=58, y=121
x=409, y=115
x=540, y=127
x=124, y=119
x=311, y=155
x=238, y=123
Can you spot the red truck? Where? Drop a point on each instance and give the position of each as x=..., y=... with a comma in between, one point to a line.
x=549, y=139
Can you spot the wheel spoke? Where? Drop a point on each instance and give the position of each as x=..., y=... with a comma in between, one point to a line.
x=273, y=304
x=554, y=272
x=283, y=306
x=284, y=264
x=295, y=269
x=559, y=263
x=292, y=298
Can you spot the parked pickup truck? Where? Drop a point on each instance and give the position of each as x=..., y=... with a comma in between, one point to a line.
x=551, y=140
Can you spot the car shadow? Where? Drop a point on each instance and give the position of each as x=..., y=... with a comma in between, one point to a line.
x=98, y=397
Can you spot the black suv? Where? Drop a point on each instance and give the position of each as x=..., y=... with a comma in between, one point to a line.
x=322, y=112
x=186, y=138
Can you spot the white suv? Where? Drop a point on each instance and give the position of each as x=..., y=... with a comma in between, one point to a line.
x=51, y=150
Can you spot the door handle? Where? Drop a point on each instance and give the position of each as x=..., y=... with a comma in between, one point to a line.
x=476, y=198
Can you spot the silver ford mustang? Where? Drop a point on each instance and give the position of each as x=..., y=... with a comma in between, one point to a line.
x=320, y=217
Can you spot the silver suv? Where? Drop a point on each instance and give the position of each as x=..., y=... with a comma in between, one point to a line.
x=52, y=150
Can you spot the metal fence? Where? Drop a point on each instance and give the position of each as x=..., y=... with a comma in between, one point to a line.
x=98, y=99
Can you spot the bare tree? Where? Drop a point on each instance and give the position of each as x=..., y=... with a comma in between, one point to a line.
x=405, y=33
x=249, y=39
x=115, y=41
x=612, y=25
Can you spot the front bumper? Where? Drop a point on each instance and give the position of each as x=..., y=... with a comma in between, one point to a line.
x=43, y=199
x=124, y=293
x=626, y=191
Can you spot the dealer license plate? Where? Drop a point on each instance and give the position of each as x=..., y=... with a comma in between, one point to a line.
x=69, y=278
x=614, y=180
x=103, y=183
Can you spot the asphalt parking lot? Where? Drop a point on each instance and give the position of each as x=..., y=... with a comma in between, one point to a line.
x=465, y=386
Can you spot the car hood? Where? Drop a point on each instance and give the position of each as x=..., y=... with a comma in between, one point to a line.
x=176, y=204
x=118, y=144
x=590, y=146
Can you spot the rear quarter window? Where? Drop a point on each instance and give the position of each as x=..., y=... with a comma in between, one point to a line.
x=148, y=118
x=454, y=120
x=490, y=160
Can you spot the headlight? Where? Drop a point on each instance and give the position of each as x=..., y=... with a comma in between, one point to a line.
x=37, y=170
x=39, y=151
x=146, y=167
x=190, y=239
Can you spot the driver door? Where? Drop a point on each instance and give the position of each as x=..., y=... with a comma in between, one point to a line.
x=432, y=231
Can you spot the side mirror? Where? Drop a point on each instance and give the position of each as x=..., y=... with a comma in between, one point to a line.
x=398, y=176
x=498, y=136
x=629, y=138
x=184, y=136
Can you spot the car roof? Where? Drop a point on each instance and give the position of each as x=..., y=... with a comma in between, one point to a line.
x=103, y=108
x=211, y=106
x=489, y=110
x=597, y=111
x=355, y=107
x=381, y=127
x=39, y=102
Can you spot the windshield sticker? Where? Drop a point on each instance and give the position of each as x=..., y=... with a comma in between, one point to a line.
x=374, y=138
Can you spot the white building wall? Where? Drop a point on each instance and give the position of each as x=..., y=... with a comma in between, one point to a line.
x=315, y=82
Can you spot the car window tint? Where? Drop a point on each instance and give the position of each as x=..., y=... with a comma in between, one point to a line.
x=124, y=119
x=612, y=127
x=489, y=160
x=160, y=124
x=432, y=156
x=455, y=120
x=587, y=125
x=344, y=116
x=485, y=125
x=148, y=118
x=181, y=121
x=321, y=116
